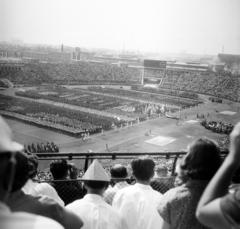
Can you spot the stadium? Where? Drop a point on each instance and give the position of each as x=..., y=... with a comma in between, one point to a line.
x=82, y=106
x=119, y=114
x=141, y=118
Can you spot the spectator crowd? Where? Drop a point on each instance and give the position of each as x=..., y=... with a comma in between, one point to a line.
x=129, y=197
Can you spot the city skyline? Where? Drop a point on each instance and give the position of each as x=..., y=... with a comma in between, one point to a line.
x=192, y=26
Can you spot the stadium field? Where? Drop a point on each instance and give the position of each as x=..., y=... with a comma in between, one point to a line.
x=137, y=138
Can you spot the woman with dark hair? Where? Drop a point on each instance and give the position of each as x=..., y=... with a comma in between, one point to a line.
x=179, y=204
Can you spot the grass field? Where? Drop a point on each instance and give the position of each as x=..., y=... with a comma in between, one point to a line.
x=156, y=135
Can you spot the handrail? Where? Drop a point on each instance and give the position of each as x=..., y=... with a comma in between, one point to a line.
x=89, y=156
x=115, y=154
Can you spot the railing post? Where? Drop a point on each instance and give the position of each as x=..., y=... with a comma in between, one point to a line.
x=174, y=164
x=86, y=163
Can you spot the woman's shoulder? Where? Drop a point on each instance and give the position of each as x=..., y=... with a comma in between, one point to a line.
x=176, y=192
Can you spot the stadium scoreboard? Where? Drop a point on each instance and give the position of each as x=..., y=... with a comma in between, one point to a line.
x=156, y=64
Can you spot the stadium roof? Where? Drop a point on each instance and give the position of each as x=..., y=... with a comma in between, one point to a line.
x=229, y=58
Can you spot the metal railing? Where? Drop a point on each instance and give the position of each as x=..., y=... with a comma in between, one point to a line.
x=90, y=156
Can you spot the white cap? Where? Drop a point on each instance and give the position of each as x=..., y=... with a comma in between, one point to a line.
x=96, y=172
x=6, y=142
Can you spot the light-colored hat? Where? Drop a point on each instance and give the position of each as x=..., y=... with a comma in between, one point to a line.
x=96, y=172
x=6, y=142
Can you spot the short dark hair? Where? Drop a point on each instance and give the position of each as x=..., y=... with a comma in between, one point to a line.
x=96, y=184
x=143, y=168
x=59, y=169
x=21, y=173
x=118, y=171
x=202, y=160
x=33, y=165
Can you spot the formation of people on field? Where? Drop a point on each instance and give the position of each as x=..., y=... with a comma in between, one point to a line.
x=139, y=196
x=217, y=126
x=42, y=147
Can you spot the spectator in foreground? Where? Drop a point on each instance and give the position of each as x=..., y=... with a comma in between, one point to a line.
x=179, y=204
x=118, y=174
x=67, y=190
x=8, y=162
x=138, y=203
x=40, y=205
x=94, y=211
x=161, y=182
x=217, y=208
x=39, y=189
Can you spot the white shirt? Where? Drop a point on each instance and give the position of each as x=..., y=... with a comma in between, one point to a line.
x=22, y=220
x=42, y=189
x=96, y=213
x=137, y=204
x=111, y=191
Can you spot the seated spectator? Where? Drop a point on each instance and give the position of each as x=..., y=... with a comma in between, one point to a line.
x=118, y=174
x=67, y=190
x=8, y=162
x=217, y=208
x=94, y=211
x=138, y=203
x=179, y=204
x=161, y=182
x=40, y=205
x=39, y=189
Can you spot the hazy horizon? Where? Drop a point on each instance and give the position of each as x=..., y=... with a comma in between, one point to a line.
x=163, y=26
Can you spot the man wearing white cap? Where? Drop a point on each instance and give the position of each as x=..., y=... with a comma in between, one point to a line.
x=93, y=210
x=9, y=220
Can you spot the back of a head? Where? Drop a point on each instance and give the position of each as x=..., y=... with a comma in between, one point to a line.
x=96, y=185
x=143, y=168
x=202, y=160
x=21, y=173
x=118, y=171
x=59, y=169
x=33, y=165
x=161, y=170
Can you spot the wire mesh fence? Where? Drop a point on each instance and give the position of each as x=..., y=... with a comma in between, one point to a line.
x=72, y=189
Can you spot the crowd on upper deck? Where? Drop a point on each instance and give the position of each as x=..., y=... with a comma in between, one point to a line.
x=140, y=196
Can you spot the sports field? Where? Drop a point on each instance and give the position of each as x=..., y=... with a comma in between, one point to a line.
x=158, y=135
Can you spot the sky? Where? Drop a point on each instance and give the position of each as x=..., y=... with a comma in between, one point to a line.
x=165, y=26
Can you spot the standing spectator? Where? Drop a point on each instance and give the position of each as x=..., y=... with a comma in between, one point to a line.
x=67, y=190
x=179, y=204
x=94, y=211
x=40, y=205
x=119, y=175
x=39, y=189
x=138, y=203
x=217, y=208
x=8, y=161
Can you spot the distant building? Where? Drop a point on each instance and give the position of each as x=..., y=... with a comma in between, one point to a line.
x=189, y=66
x=231, y=62
x=47, y=56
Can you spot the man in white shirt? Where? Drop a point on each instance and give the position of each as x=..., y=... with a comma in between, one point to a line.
x=118, y=175
x=9, y=220
x=39, y=189
x=93, y=210
x=138, y=203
